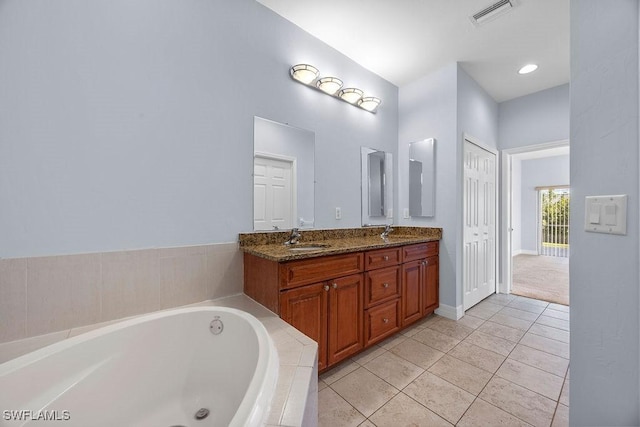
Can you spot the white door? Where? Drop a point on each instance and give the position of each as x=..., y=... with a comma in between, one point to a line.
x=479, y=254
x=272, y=194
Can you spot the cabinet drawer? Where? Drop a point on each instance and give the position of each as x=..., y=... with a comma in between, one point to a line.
x=382, y=285
x=313, y=270
x=382, y=258
x=382, y=321
x=419, y=251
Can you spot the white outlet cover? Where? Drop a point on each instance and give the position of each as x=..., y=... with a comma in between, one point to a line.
x=606, y=214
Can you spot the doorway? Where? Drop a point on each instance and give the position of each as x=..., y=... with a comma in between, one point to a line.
x=479, y=223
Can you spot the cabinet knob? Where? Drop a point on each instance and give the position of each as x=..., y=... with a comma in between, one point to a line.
x=335, y=286
x=385, y=285
x=386, y=257
x=326, y=287
x=424, y=262
x=385, y=320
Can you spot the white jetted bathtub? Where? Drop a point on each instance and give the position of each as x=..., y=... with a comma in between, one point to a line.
x=201, y=366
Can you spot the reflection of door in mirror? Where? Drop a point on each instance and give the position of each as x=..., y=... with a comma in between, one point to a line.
x=376, y=181
x=422, y=178
x=273, y=192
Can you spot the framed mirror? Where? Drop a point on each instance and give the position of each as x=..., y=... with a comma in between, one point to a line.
x=283, y=176
x=376, y=187
x=422, y=176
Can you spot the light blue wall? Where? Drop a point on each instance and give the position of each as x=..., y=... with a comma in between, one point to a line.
x=129, y=124
x=604, y=160
x=534, y=119
x=444, y=105
x=550, y=171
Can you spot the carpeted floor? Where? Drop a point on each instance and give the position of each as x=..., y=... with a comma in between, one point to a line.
x=541, y=277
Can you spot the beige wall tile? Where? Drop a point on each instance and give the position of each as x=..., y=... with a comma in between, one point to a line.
x=182, y=275
x=62, y=292
x=13, y=299
x=224, y=270
x=129, y=283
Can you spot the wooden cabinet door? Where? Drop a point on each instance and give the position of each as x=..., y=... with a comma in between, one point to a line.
x=431, y=285
x=412, y=284
x=305, y=309
x=346, y=335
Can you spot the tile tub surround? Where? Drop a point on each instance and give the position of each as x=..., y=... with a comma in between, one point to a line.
x=270, y=245
x=43, y=295
x=295, y=401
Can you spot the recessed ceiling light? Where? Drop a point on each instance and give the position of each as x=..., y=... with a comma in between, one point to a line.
x=529, y=68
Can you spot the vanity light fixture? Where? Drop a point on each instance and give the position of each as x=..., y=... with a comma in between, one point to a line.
x=308, y=75
x=351, y=94
x=369, y=103
x=329, y=85
x=304, y=73
x=529, y=68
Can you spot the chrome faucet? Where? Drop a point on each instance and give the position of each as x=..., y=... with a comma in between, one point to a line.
x=293, y=237
x=387, y=230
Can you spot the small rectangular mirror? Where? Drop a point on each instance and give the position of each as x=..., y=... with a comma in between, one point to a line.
x=376, y=187
x=422, y=178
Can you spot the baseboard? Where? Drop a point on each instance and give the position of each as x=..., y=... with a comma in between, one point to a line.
x=524, y=252
x=450, y=312
x=502, y=288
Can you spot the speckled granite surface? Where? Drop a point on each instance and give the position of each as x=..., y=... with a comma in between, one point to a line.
x=270, y=245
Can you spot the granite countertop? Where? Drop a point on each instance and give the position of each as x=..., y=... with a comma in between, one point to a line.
x=270, y=245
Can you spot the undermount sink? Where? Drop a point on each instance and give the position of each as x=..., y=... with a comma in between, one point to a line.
x=308, y=248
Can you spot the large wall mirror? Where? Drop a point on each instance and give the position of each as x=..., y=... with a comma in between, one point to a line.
x=422, y=175
x=283, y=176
x=377, y=187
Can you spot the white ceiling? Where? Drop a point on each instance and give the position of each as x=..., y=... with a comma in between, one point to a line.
x=403, y=40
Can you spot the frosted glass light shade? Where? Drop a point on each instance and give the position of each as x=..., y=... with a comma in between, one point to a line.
x=329, y=85
x=351, y=94
x=304, y=73
x=529, y=68
x=369, y=103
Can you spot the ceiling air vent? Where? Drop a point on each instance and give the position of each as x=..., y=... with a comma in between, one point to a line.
x=493, y=11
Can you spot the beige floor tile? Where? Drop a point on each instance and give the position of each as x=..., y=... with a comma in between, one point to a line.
x=436, y=339
x=534, y=379
x=462, y=374
x=501, y=299
x=549, y=332
x=404, y=411
x=339, y=371
x=484, y=311
x=364, y=391
x=333, y=410
x=539, y=359
x=490, y=305
x=553, y=322
x=417, y=353
x=546, y=344
x=518, y=401
x=395, y=370
x=368, y=355
x=525, y=306
x=367, y=423
x=451, y=328
x=412, y=330
x=322, y=385
x=392, y=341
x=561, y=418
x=471, y=321
x=512, y=322
x=564, y=395
x=477, y=356
x=563, y=315
x=532, y=301
x=559, y=307
x=501, y=331
x=440, y=396
x=489, y=342
x=423, y=323
x=482, y=413
x=519, y=314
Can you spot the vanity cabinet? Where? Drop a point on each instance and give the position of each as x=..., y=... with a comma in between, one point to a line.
x=347, y=302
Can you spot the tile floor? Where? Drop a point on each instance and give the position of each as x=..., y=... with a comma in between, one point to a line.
x=506, y=362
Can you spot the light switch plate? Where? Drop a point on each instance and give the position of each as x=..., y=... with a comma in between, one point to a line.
x=606, y=214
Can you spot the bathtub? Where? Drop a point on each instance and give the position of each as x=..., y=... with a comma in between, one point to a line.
x=200, y=366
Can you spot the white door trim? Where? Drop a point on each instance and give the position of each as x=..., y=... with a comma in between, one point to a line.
x=505, y=214
x=475, y=141
x=294, y=179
